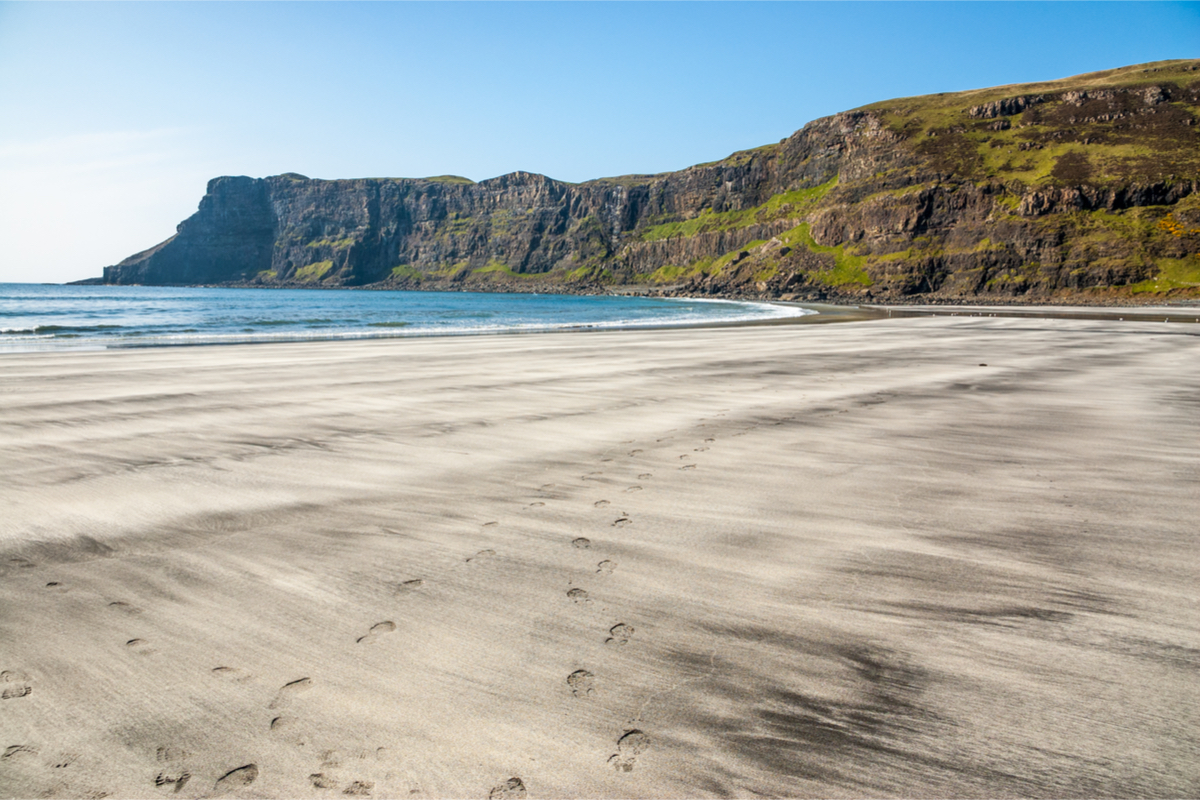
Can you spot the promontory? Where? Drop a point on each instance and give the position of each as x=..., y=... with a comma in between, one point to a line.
x=1076, y=190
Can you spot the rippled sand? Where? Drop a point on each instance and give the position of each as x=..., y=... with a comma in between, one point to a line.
x=919, y=557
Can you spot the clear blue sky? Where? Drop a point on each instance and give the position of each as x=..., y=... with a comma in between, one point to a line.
x=114, y=115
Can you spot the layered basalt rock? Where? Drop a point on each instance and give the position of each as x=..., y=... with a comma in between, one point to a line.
x=1084, y=188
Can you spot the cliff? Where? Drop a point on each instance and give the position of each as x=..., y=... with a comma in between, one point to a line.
x=1082, y=189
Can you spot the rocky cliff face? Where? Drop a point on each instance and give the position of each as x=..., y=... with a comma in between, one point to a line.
x=1085, y=188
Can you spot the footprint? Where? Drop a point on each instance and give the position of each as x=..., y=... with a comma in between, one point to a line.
x=684, y=457
x=491, y=524
x=359, y=789
x=603, y=460
x=634, y=452
x=621, y=522
x=65, y=760
x=634, y=489
x=288, y=692
x=600, y=503
x=236, y=778
x=409, y=586
x=688, y=466
x=21, y=563
x=320, y=780
x=700, y=449
x=592, y=476
x=377, y=630
x=645, y=476
x=281, y=723
x=606, y=567
x=121, y=605
x=482, y=555
x=231, y=674
x=581, y=682
x=56, y=586
x=709, y=441
x=619, y=634
x=14, y=684
x=18, y=750
x=536, y=505
x=583, y=543
x=140, y=646
x=178, y=781
x=578, y=595
x=511, y=789
x=166, y=755
x=629, y=747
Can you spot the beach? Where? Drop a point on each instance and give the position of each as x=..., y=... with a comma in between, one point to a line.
x=943, y=556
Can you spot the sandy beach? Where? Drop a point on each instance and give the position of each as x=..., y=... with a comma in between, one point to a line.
x=950, y=556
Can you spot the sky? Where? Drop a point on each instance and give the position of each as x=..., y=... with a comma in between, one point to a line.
x=113, y=116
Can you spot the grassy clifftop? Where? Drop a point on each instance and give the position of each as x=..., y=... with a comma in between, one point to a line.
x=1131, y=124
x=1079, y=189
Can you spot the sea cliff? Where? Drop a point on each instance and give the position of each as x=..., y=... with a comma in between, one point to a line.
x=1079, y=190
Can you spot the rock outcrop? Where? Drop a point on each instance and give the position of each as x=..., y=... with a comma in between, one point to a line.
x=1086, y=188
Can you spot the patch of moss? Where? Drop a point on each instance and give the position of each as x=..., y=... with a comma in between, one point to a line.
x=458, y=179
x=313, y=272
x=629, y=181
x=668, y=273
x=743, y=157
x=455, y=224
x=1009, y=202
x=1173, y=273
x=719, y=264
x=847, y=268
x=267, y=274
x=450, y=270
x=496, y=268
x=405, y=272
x=590, y=273
x=500, y=221
x=767, y=272
x=336, y=244
x=780, y=206
x=1011, y=280
x=674, y=273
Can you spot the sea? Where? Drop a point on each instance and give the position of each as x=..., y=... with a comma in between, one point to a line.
x=53, y=317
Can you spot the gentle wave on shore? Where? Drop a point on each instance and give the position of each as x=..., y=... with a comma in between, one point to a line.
x=39, y=317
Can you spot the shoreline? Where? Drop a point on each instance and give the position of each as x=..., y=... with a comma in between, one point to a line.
x=1095, y=313
x=676, y=292
x=817, y=313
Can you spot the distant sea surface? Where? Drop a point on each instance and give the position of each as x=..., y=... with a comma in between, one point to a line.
x=40, y=317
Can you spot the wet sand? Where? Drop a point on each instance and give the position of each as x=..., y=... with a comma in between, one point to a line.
x=942, y=556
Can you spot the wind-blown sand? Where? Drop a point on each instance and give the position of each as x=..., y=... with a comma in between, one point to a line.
x=836, y=560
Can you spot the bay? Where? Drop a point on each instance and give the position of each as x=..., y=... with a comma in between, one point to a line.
x=52, y=317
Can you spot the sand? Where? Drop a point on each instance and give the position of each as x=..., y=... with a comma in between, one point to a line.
x=941, y=556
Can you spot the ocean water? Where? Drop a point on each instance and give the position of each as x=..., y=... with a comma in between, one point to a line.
x=41, y=317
